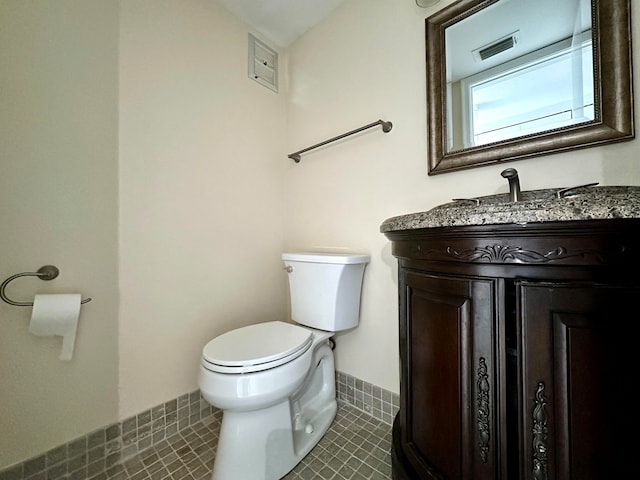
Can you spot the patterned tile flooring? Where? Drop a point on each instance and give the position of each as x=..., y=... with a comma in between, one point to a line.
x=356, y=447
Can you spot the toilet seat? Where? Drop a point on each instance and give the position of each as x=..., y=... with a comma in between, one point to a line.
x=256, y=347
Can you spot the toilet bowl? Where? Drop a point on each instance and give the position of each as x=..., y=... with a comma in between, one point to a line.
x=275, y=381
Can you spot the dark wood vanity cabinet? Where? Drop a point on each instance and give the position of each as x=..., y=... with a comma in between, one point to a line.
x=519, y=357
x=448, y=346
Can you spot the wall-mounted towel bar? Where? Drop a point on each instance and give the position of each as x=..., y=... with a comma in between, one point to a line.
x=48, y=272
x=386, y=128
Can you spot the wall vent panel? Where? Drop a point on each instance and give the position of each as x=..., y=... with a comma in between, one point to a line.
x=263, y=64
x=501, y=45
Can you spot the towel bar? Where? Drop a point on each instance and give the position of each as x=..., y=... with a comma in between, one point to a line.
x=386, y=128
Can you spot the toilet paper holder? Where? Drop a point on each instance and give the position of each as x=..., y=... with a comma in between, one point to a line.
x=48, y=272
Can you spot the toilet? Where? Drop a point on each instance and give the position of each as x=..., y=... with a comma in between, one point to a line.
x=275, y=381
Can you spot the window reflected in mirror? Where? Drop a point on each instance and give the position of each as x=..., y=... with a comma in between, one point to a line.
x=494, y=109
x=534, y=79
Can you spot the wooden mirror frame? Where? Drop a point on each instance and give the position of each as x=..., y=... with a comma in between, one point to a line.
x=613, y=93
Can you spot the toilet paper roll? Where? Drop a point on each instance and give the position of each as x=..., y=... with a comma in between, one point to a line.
x=57, y=314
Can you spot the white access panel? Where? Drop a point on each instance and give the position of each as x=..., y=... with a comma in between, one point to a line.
x=263, y=64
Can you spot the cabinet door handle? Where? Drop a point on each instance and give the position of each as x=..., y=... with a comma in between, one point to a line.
x=539, y=430
x=482, y=413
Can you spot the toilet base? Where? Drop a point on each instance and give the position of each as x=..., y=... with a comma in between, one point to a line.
x=268, y=443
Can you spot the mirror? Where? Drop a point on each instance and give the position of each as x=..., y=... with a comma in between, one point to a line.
x=500, y=90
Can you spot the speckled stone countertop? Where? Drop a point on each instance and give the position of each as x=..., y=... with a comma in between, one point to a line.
x=593, y=203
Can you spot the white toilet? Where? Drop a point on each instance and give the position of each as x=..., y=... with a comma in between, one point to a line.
x=275, y=381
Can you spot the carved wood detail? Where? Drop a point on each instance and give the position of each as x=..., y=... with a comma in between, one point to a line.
x=540, y=431
x=505, y=253
x=484, y=433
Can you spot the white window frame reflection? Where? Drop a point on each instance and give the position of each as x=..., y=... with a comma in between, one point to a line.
x=494, y=109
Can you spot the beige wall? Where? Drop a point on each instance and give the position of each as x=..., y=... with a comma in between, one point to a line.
x=179, y=194
x=58, y=205
x=201, y=174
x=366, y=61
x=178, y=183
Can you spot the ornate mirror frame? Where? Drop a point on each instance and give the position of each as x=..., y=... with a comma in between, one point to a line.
x=612, y=91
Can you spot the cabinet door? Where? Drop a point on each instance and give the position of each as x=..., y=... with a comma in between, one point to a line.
x=449, y=385
x=579, y=373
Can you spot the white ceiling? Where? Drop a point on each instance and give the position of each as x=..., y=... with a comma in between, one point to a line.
x=281, y=21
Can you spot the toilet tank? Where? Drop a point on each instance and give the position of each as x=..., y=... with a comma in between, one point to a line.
x=325, y=289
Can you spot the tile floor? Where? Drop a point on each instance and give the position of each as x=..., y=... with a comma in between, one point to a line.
x=356, y=447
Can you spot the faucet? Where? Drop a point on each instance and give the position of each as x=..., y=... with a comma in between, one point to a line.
x=511, y=174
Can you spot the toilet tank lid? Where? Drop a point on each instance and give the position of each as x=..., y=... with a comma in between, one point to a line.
x=341, y=258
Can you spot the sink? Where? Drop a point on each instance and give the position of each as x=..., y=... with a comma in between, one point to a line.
x=579, y=203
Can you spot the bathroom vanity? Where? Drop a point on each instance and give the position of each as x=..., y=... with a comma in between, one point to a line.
x=518, y=357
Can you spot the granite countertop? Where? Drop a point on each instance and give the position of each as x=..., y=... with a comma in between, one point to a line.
x=593, y=203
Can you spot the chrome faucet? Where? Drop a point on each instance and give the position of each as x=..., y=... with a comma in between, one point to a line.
x=511, y=174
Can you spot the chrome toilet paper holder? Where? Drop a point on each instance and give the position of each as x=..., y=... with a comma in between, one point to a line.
x=48, y=272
